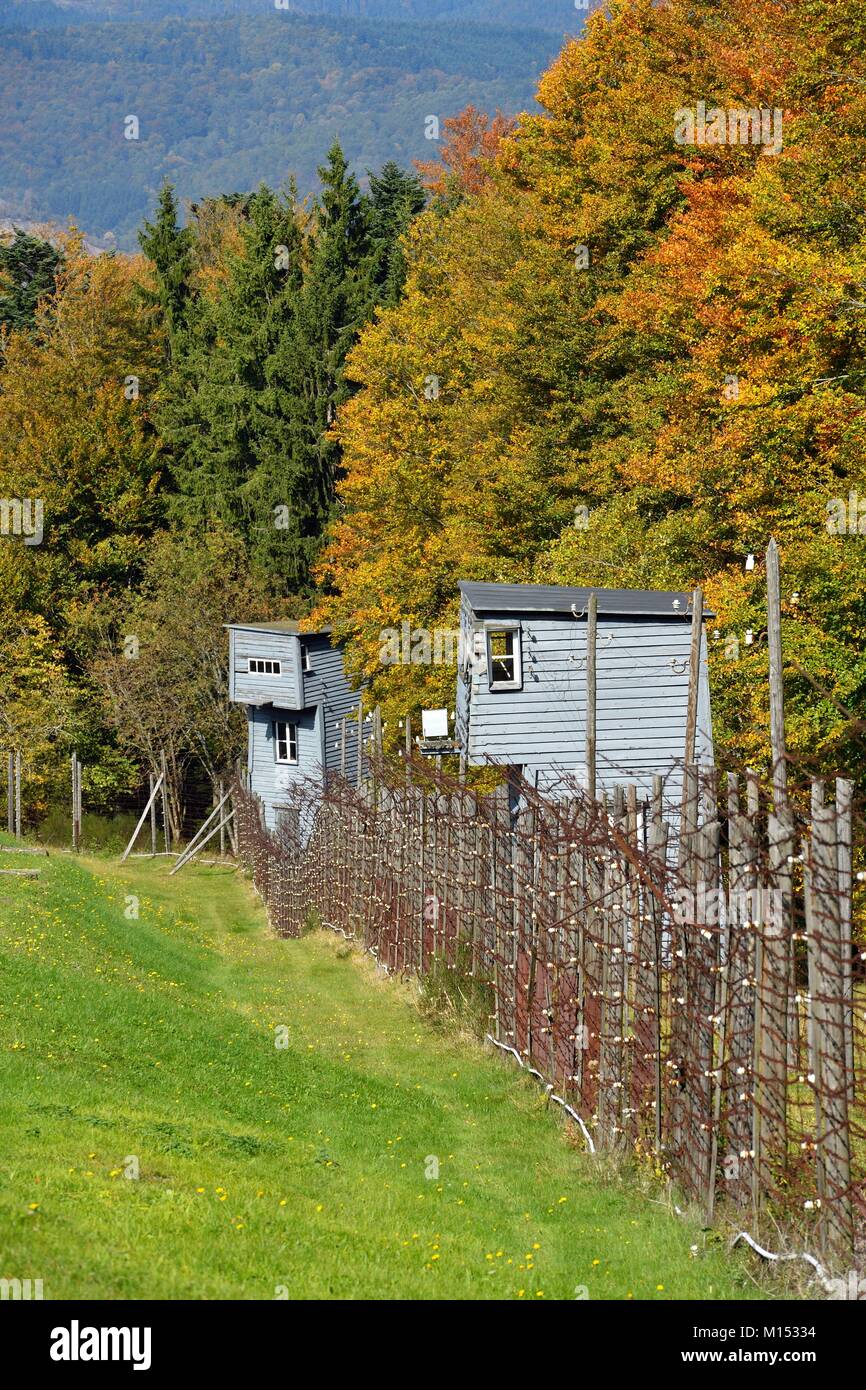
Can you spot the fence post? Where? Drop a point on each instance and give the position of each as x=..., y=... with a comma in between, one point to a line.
x=694, y=675
x=772, y=1025
x=18, y=794
x=829, y=1031
x=76, y=829
x=166, y=826
x=777, y=702
x=844, y=847
x=705, y=951
x=151, y=785
x=591, y=692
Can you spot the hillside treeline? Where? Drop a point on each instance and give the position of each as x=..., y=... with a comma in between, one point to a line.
x=165, y=436
x=618, y=345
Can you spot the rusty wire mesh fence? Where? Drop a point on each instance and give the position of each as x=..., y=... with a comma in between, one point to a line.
x=688, y=978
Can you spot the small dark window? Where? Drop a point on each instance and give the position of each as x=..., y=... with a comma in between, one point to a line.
x=259, y=666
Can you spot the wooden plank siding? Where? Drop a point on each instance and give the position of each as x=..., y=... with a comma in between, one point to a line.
x=326, y=685
x=642, y=699
x=315, y=701
x=284, y=690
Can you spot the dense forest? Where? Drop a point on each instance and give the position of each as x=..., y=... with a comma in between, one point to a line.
x=97, y=115
x=648, y=357
x=556, y=15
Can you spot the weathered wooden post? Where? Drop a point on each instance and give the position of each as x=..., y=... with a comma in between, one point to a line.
x=152, y=800
x=657, y=848
x=777, y=703
x=76, y=829
x=10, y=794
x=591, y=693
x=694, y=675
x=74, y=795
x=829, y=1031
x=360, y=776
x=844, y=850
x=166, y=827
x=18, y=794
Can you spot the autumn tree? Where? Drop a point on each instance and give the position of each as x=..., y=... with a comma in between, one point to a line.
x=471, y=143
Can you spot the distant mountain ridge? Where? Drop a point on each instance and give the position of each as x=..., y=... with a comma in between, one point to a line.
x=224, y=102
x=559, y=16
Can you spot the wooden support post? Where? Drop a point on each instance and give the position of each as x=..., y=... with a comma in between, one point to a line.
x=771, y=1022
x=591, y=693
x=739, y=967
x=704, y=966
x=194, y=846
x=18, y=794
x=777, y=703
x=378, y=736
x=10, y=794
x=826, y=978
x=166, y=827
x=694, y=675
x=142, y=819
x=152, y=818
x=343, y=746
x=844, y=849
x=360, y=777
x=192, y=851
x=75, y=825
x=222, y=796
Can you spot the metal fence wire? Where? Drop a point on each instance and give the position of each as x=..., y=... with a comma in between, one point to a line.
x=688, y=977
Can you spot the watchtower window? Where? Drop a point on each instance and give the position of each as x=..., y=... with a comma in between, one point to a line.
x=285, y=742
x=260, y=666
x=503, y=658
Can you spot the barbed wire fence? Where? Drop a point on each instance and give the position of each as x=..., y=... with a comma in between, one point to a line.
x=687, y=977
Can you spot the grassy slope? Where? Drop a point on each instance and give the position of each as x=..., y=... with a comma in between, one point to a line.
x=259, y=1167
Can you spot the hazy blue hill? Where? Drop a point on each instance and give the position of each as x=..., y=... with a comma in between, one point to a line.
x=557, y=15
x=229, y=100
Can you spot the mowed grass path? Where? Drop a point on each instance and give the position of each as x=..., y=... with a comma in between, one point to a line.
x=300, y=1171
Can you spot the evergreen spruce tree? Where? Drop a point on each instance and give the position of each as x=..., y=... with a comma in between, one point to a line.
x=170, y=248
x=333, y=306
x=395, y=198
x=224, y=412
x=28, y=266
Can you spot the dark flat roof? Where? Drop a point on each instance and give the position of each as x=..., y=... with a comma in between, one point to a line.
x=561, y=598
x=284, y=625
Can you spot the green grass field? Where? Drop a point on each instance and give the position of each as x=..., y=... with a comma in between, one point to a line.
x=308, y=1170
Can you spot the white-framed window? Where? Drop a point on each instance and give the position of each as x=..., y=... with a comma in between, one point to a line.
x=504, y=667
x=306, y=663
x=285, y=741
x=261, y=666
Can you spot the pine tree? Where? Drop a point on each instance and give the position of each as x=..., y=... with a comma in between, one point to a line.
x=225, y=412
x=28, y=266
x=170, y=248
x=395, y=198
x=333, y=306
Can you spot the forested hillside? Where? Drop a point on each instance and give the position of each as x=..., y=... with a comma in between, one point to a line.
x=224, y=101
x=648, y=356
x=556, y=15
x=586, y=351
